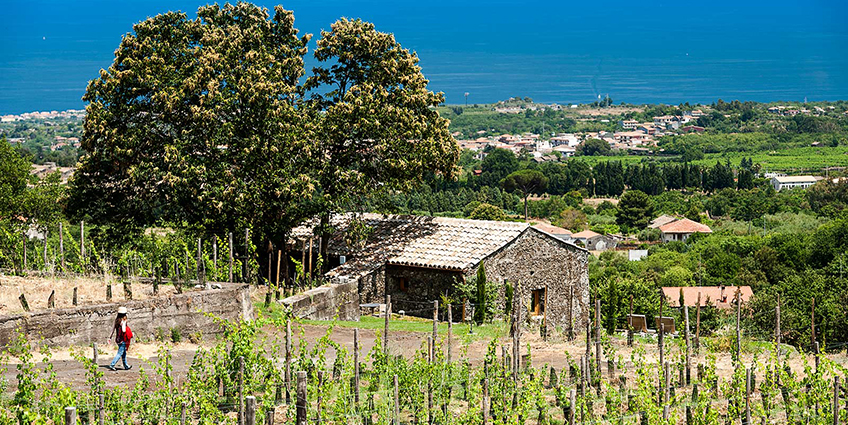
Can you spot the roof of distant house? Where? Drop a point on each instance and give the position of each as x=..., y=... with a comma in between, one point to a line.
x=795, y=179
x=685, y=226
x=710, y=295
x=586, y=234
x=661, y=221
x=550, y=228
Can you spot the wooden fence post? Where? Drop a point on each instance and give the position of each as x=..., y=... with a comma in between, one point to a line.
x=74, y=299
x=836, y=400
x=301, y=398
x=813, y=324
x=662, y=359
x=183, y=414
x=128, y=290
x=245, y=276
x=70, y=416
x=109, y=292
x=698, y=325
x=435, y=321
x=94, y=354
x=396, y=415
x=630, y=323
x=215, y=255
x=82, y=245
x=199, y=263
x=230, y=251
x=51, y=300
x=250, y=410
x=686, y=335
x=748, y=396
x=101, y=409
x=450, y=331
x=288, y=361
x=356, y=367
x=597, y=335
x=269, y=417
x=572, y=399
x=387, y=314
x=738, y=324
x=320, y=398
x=241, y=391
x=485, y=401
x=62, y=246
x=24, y=303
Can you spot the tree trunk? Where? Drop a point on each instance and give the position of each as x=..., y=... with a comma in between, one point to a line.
x=525, y=206
x=325, y=239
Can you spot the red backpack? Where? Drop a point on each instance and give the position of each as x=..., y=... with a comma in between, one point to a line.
x=128, y=335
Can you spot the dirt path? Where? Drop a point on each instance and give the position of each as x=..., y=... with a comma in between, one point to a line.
x=144, y=356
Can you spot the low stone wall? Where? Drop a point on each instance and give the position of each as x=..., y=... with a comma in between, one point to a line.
x=326, y=302
x=93, y=323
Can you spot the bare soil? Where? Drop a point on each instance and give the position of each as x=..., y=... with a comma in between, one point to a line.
x=552, y=353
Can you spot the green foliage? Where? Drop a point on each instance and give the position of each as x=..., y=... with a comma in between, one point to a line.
x=593, y=147
x=487, y=212
x=526, y=182
x=635, y=210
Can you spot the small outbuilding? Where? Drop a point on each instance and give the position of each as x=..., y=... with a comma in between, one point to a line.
x=419, y=259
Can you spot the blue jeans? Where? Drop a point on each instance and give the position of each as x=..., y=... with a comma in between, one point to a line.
x=122, y=354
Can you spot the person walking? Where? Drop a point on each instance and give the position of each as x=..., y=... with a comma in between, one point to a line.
x=123, y=336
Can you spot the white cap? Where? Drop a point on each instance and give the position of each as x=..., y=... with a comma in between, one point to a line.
x=122, y=310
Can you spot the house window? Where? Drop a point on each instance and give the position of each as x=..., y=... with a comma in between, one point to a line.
x=404, y=286
x=537, y=303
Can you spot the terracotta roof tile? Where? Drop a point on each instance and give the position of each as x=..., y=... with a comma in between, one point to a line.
x=685, y=225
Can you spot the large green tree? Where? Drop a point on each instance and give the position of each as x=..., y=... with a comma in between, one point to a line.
x=635, y=210
x=377, y=126
x=527, y=182
x=197, y=122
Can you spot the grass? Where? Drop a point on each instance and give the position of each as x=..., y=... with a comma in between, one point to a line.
x=486, y=331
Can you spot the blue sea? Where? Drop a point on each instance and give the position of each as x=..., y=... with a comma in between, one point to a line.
x=551, y=51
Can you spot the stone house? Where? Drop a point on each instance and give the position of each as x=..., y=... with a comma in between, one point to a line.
x=420, y=259
x=594, y=241
x=680, y=230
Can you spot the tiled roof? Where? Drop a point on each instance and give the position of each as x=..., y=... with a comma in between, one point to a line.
x=710, y=295
x=661, y=221
x=550, y=228
x=685, y=225
x=431, y=242
x=586, y=234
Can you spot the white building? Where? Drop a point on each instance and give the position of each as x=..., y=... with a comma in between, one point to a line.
x=793, y=182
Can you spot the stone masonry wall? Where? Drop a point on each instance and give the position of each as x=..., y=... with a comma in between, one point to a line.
x=534, y=261
x=93, y=323
x=327, y=301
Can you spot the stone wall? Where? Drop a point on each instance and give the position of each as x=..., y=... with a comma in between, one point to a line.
x=422, y=287
x=537, y=261
x=93, y=323
x=326, y=302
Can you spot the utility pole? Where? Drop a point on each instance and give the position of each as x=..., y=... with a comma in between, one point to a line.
x=466, y=99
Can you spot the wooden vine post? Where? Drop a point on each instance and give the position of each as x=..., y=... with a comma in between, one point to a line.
x=450, y=331
x=738, y=324
x=70, y=416
x=387, y=313
x=250, y=410
x=356, y=367
x=288, y=361
x=301, y=398
x=686, y=336
x=230, y=252
x=62, y=246
x=598, y=335
x=698, y=325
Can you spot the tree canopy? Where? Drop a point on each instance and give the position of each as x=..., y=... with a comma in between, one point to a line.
x=527, y=182
x=204, y=122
